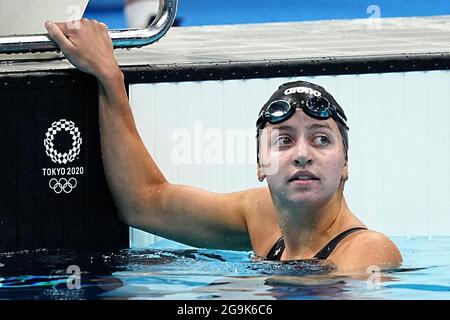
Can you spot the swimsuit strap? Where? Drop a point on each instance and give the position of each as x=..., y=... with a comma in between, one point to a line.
x=277, y=250
x=326, y=251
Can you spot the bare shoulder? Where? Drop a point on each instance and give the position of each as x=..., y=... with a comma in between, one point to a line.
x=261, y=218
x=257, y=198
x=367, y=249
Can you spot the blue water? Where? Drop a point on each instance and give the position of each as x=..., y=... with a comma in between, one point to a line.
x=180, y=273
x=213, y=12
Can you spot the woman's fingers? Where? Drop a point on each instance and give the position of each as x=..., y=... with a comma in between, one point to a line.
x=58, y=34
x=86, y=44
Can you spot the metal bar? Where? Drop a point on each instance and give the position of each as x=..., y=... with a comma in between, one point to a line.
x=122, y=38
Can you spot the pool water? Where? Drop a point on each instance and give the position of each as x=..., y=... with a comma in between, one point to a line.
x=186, y=273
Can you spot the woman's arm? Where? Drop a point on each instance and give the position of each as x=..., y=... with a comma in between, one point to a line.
x=143, y=196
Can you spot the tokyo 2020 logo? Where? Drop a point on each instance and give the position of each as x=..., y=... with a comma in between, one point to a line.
x=52, y=152
x=66, y=183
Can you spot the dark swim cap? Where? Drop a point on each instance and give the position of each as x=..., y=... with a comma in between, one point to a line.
x=315, y=101
x=298, y=94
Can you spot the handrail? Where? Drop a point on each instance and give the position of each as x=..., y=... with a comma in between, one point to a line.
x=121, y=38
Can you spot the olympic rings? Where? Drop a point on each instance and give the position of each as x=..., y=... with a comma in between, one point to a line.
x=62, y=185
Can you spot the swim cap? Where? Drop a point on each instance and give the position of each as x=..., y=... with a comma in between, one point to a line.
x=300, y=93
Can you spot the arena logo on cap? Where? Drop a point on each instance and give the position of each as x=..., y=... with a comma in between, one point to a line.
x=302, y=90
x=63, y=184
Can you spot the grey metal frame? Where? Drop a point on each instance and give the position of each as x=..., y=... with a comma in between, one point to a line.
x=121, y=38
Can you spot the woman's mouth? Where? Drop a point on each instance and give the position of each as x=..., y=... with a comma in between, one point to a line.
x=302, y=182
x=303, y=178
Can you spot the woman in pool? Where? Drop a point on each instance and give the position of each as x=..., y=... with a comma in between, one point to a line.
x=302, y=154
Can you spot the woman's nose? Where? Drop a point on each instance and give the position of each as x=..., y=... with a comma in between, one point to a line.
x=303, y=161
x=302, y=156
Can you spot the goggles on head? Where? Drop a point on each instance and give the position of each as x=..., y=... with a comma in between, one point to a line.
x=317, y=107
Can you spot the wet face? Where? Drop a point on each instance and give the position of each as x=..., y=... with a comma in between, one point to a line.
x=303, y=159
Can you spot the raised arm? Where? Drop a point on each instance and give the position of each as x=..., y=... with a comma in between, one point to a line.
x=144, y=198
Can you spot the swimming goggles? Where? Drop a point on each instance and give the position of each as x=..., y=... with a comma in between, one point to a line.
x=315, y=107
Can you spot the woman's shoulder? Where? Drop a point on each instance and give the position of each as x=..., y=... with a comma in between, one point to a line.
x=367, y=248
x=261, y=219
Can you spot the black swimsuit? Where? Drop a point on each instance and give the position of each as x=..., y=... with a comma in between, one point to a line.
x=278, y=248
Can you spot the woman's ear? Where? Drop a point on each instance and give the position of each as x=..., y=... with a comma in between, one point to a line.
x=344, y=176
x=260, y=174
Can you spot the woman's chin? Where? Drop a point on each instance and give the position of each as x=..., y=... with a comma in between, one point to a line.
x=303, y=198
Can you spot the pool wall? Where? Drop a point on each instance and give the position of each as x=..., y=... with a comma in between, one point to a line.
x=53, y=192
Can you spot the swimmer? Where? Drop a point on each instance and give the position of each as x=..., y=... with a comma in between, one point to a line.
x=302, y=153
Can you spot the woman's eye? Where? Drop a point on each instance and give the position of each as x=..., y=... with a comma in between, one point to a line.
x=281, y=141
x=321, y=140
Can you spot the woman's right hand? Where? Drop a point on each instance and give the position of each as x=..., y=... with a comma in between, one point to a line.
x=87, y=45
